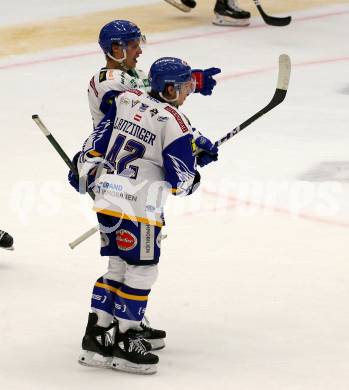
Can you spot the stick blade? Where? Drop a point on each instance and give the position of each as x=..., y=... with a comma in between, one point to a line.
x=284, y=72
x=273, y=20
x=278, y=22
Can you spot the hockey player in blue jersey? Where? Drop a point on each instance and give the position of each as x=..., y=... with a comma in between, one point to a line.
x=142, y=150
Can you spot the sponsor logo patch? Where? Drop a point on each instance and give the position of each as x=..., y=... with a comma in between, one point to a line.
x=162, y=118
x=125, y=240
x=143, y=107
x=124, y=100
x=178, y=118
x=102, y=75
x=137, y=117
x=136, y=92
x=153, y=112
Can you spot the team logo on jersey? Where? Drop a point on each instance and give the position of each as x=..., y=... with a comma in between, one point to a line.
x=135, y=102
x=162, y=118
x=137, y=117
x=153, y=112
x=184, y=174
x=143, y=107
x=125, y=240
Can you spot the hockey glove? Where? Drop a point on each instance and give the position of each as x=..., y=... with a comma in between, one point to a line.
x=80, y=184
x=207, y=153
x=72, y=178
x=204, y=80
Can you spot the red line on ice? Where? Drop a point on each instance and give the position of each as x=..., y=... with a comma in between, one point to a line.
x=165, y=41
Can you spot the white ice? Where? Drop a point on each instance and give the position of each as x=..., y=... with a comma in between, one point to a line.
x=254, y=284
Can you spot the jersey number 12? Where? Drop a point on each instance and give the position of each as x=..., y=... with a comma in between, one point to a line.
x=122, y=166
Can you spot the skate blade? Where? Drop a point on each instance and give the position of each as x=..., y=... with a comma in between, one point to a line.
x=12, y=248
x=93, y=359
x=156, y=344
x=230, y=22
x=126, y=366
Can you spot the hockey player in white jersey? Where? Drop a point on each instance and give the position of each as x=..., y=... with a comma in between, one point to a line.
x=142, y=150
x=121, y=42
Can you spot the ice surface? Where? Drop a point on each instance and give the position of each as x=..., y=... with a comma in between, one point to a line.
x=254, y=277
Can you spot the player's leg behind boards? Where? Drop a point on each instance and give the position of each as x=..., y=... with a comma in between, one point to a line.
x=228, y=13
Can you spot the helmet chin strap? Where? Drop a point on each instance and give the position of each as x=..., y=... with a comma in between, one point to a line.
x=120, y=61
x=170, y=100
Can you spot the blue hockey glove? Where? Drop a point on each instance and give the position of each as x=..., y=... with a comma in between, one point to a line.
x=208, y=152
x=204, y=80
x=73, y=179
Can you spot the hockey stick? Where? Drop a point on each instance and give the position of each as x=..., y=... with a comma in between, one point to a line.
x=58, y=148
x=179, y=5
x=279, y=96
x=84, y=237
x=272, y=20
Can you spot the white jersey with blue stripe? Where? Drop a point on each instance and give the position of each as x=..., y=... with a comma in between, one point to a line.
x=108, y=83
x=149, y=152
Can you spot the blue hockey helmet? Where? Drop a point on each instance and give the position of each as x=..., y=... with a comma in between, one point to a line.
x=168, y=70
x=120, y=32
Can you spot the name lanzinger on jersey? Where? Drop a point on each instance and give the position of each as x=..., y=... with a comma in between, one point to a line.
x=135, y=130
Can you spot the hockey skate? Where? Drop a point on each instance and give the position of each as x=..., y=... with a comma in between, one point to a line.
x=6, y=241
x=130, y=354
x=227, y=13
x=154, y=336
x=97, y=345
x=153, y=339
x=183, y=5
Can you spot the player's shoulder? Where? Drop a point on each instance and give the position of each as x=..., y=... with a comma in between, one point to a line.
x=176, y=119
x=170, y=116
x=111, y=77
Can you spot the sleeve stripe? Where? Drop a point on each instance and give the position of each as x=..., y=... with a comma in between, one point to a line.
x=178, y=118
